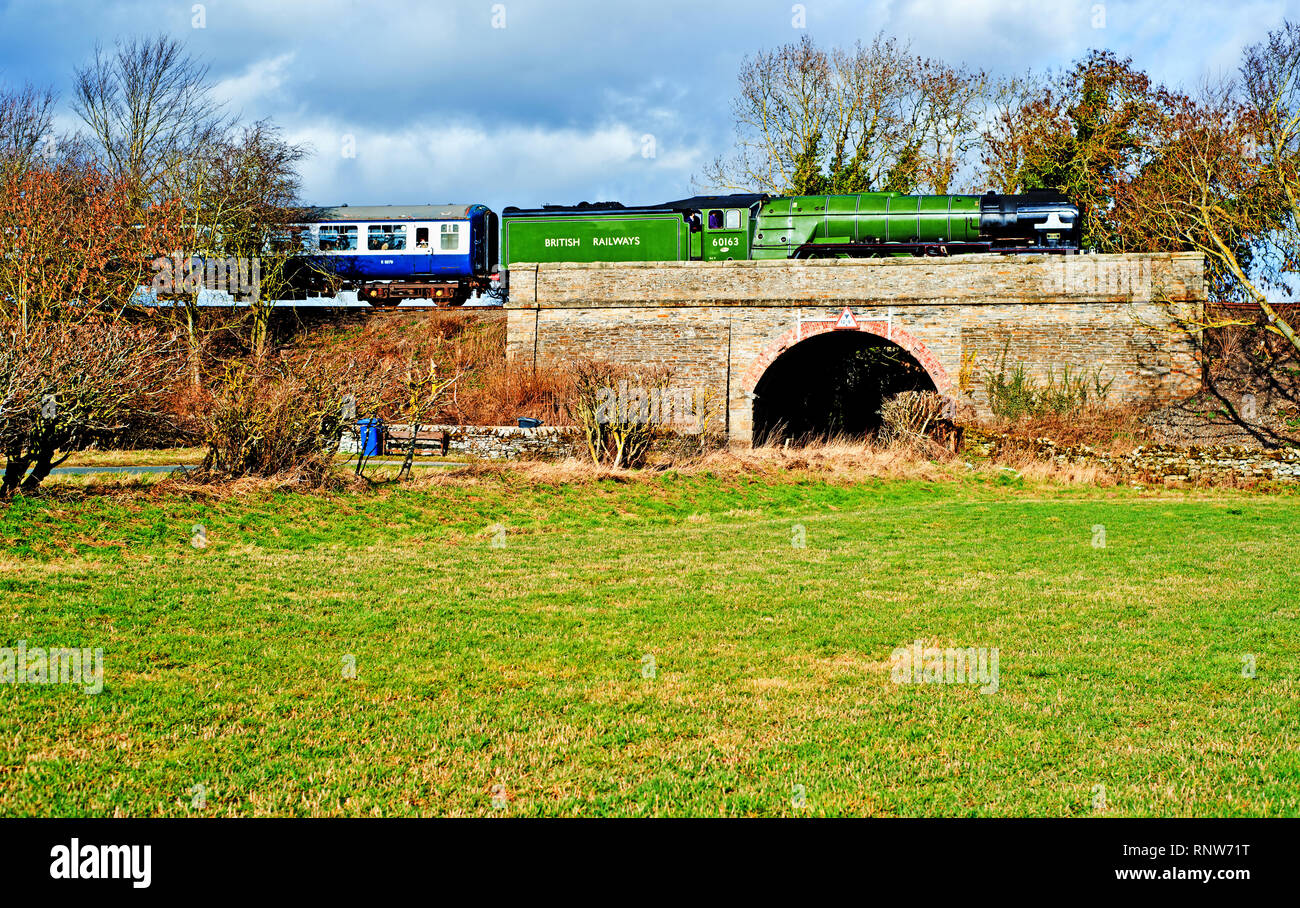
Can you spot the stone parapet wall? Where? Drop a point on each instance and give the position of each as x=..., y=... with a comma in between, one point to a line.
x=960, y=279
x=720, y=325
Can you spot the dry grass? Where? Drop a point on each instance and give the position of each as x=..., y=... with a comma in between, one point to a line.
x=1111, y=430
x=139, y=456
x=472, y=345
x=836, y=459
x=1055, y=472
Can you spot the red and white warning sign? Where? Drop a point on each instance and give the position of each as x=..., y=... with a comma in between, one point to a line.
x=846, y=321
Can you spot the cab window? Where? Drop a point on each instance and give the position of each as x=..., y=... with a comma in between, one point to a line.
x=733, y=219
x=386, y=237
x=715, y=220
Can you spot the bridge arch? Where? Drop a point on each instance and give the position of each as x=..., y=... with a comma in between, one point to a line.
x=890, y=332
x=824, y=378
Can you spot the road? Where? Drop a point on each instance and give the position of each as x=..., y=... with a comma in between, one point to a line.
x=167, y=468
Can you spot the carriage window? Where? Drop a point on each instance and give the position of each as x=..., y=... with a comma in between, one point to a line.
x=298, y=239
x=733, y=219
x=450, y=237
x=338, y=237
x=421, y=237
x=386, y=236
x=715, y=220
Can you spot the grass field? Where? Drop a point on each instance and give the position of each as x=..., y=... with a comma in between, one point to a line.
x=656, y=647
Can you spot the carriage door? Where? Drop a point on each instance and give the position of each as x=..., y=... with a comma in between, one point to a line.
x=422, y=260
x=726, y=234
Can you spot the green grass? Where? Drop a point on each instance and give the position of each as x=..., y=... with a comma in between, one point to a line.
x=522, y=667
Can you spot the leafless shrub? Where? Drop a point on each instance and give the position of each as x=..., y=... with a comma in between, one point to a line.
x=612, y=404
x=911, y=416
x=272, y=419
x=65, y=385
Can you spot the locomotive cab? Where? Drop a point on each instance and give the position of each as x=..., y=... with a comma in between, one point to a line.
x=724, y=234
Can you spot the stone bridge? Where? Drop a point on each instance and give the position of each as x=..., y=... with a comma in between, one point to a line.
x=751, y=332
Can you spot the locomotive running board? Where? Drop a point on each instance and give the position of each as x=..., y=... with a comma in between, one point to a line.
x=935, y=250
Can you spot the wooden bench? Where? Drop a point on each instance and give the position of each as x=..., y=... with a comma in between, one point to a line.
x=428, y=443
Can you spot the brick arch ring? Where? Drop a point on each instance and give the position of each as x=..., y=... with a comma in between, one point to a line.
x=910, y=343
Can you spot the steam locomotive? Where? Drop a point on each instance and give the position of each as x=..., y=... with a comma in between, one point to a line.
x=445, y=253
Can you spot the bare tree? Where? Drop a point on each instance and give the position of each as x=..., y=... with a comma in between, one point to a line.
x=73, y=248
x=153, y=121
x=148, y=106
x=1011, y=116
x=240, y=231
x=1270, y=74
x=870, y=117
x=257, y=190
x=1223, y=179
x=952, y=101
x=784, y=111
x=26, y=124
x=153, y=124
x=878, y=118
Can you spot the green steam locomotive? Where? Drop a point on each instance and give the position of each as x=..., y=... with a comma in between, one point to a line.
x=749, y=226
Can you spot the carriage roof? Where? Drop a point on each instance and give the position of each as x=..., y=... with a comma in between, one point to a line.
x=396, y=212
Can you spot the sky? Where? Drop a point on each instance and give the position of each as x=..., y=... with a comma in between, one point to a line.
x=527, y=102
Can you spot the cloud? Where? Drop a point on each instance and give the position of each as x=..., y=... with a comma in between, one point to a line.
x=553, y=106
x=261, y=82
x=497, y=166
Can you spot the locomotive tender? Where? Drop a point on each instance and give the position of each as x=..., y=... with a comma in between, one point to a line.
x=704, y=228
x=445, y=252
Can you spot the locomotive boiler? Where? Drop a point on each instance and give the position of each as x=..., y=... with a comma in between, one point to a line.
x=871, y=224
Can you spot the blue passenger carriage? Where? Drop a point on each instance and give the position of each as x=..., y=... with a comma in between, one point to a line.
x=390, y=253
